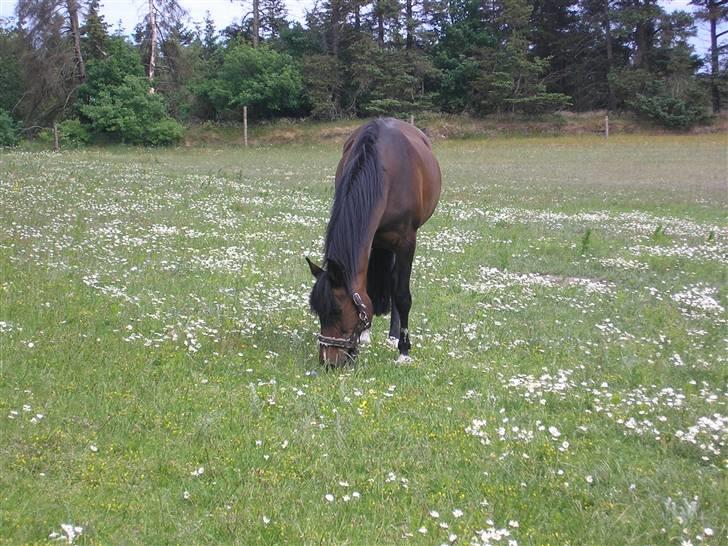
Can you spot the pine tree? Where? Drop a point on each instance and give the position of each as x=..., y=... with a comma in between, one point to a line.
x=94, y=32
x=209, y=40
x=273, y=17
x=714, y=12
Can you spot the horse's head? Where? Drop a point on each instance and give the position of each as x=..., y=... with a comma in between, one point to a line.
x=343, y=315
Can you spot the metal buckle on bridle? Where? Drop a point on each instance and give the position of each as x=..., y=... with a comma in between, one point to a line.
x=352, y=341
x=362, y=310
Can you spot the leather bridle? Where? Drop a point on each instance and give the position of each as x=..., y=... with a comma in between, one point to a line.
x=349, y=343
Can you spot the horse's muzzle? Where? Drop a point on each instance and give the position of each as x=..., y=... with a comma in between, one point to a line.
x=336, y=357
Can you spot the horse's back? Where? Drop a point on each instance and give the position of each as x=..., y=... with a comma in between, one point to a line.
x=411, y=166
x=410, y=170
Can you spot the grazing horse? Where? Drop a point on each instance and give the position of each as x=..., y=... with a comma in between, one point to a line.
x=387, y=186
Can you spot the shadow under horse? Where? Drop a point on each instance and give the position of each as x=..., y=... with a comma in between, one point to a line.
x=387, y=185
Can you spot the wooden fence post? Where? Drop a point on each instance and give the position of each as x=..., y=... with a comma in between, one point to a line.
x=606, y=126
x=245, y=125
x=56, y=146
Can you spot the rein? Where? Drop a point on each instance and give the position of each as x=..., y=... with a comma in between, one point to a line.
x=351, y=342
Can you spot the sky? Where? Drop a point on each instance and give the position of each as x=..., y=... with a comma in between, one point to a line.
x=224, y=12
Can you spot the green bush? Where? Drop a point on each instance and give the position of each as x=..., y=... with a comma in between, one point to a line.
x=8, y=130
x=129, y=113
x=670, y=112
x=165, y=131
x=267, y=82
x=73, y=132
x=121, y=60
x=115, y=103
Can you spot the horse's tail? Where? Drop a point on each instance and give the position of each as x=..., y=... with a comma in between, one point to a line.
x=379, y=279
x=357, y=195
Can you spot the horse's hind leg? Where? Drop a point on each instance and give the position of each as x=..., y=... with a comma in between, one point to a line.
x=393, y=338
x=403, y=298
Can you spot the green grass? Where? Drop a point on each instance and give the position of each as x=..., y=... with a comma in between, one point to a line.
x=153, y=312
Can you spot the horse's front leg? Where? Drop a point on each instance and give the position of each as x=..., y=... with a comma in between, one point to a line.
x=393, y=338
x=403, y=299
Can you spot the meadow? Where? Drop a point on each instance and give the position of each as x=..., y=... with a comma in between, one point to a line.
x=159, y=377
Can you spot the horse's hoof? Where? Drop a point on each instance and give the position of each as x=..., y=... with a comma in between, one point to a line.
x=392, y=342
x=366, y=337
x=404, y=359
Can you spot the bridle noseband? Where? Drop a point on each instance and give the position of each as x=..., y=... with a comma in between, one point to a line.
x=349, y=343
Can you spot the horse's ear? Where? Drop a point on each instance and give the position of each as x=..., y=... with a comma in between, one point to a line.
x=335, y=273
x=315, y=270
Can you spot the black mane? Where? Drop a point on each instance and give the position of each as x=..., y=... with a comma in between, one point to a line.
x=357, y=194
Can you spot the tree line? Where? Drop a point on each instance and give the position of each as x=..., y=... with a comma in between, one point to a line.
x=62, y=63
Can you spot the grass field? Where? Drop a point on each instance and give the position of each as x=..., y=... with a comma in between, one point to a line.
x=159, y=380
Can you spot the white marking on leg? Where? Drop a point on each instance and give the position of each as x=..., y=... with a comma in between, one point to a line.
x=392, y=342
x=404, y=359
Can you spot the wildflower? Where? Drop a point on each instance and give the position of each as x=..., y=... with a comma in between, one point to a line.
x=329, y=497
x=457, y=513
x=71, y=531
x=554, y=432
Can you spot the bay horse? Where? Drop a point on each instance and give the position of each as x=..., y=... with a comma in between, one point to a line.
x=387, y=185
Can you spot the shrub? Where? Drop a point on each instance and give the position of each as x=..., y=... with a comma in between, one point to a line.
x=8, y=130
x=73, y=132
x=267, y=82
x=670, y=112
x=115, y=103
x=131, y=114
x=165, y=131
